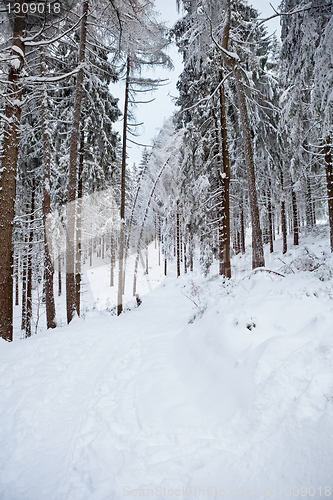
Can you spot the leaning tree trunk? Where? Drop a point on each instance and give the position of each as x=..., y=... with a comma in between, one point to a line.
x=121, y=277
x=71, y=215
x=8, y=174
x=48, y=264
x=329, y=183
x=136, y=265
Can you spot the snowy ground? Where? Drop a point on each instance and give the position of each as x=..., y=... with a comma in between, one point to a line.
x=207, y=390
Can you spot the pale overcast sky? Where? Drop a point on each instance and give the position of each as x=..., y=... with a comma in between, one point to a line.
x=154, y=114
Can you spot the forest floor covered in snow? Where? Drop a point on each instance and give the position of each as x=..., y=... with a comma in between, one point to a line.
x=208, y=389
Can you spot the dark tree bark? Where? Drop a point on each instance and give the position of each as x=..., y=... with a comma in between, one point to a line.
x=79, y=227
x=16, y=274
x=295, y=217
x=147, y=268
x=8, y=175
x=181, y=245
x=309, y=205
x=159, y=241
x=59, y=276
x=178, y=240
x=24, y=280
x=242, y=229
x=155, y=236
x=283, y=218
x=225, y=265
x=258, y=259
x=329, y=184
x=48, y=264
x=221, y=208
x=72, y=184
x=191, y=252
x=29, y=265
x=270, y=218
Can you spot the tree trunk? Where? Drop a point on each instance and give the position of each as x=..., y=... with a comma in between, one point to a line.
x=270, y=218
x=295, y=217
x=16, y=274
x=258, y=259
x=112, y=260
x=329, y=184
x=48, y=264
x=155, y=222
x=159, y=241
x=283, y=218
x=225, y=181
x=59, y=276
x=220, y=210
x=147, y=268
x=178, y=241
x=191, y=252
x=29, y=265
x=242, y=229
x=71, y=216
x=309, y=207
x=121, y=277
x=24, y=280
x=79, y=227
x=136, y=265
x=8, y=174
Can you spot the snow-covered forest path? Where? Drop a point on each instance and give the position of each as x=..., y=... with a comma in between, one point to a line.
x=235, y=394
x=85, y=401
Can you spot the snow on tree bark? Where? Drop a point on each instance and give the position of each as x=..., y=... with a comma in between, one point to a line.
x=72, y=184
x=48, y=265
x=225, y=265
x=121, y=278
x=258, y=259
x=8, y=175
x=329, y=183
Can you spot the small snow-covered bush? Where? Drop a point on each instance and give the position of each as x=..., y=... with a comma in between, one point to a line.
x=307, y=261
x=324, y=272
